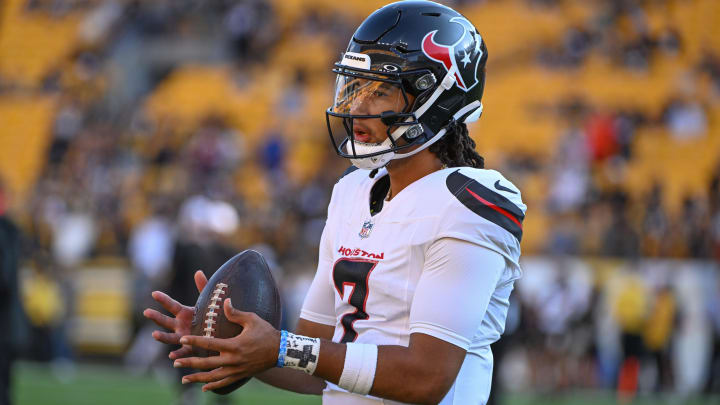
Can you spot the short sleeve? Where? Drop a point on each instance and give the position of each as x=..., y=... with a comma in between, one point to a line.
x=454, y=290
x=487, y=210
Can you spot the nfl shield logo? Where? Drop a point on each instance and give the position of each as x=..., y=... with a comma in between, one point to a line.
x=366, y=229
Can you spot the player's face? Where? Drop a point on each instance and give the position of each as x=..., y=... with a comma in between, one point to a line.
x=371, y=97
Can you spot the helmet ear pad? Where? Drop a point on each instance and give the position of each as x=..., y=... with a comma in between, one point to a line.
x=440, y=113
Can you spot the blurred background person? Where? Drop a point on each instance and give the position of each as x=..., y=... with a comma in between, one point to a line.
x=11, y=315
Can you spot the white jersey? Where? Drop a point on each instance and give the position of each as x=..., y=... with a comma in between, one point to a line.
x=369, y=279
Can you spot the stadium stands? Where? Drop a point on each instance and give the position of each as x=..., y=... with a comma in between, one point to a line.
x=117, y=117
x=541, y=56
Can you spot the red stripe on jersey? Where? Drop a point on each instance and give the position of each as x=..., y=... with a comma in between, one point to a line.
x=495, y=207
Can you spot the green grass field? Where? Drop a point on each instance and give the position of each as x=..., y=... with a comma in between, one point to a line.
x=36, y=384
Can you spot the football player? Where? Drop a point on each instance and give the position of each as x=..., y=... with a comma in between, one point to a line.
x=421, y=245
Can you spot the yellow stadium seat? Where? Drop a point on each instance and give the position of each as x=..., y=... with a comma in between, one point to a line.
x=32, y=43
x=24, y=139
x=682, y=166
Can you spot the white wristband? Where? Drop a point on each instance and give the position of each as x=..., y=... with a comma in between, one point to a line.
x=359, y=370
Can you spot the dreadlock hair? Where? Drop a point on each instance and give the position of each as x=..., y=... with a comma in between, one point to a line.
x=456, y=148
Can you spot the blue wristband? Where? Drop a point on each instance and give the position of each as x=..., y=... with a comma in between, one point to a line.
x=283, y=348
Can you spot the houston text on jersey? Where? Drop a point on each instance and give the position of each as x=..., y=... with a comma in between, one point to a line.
x=360, y=253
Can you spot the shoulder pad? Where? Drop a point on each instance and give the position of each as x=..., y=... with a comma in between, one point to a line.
x=487, y=202
x=346, y=172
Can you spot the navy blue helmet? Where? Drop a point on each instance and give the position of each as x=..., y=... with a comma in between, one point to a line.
x=428, y=58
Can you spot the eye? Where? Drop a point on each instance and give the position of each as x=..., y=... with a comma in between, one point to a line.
x=379, y=93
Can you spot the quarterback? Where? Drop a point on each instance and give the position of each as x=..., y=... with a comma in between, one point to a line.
x=421, y=246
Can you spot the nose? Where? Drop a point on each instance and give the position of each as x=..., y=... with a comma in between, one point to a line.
x=360, y=105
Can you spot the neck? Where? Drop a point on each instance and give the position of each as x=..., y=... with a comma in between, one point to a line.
x=404, y=172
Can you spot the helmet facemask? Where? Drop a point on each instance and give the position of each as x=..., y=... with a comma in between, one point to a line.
x=367, y=100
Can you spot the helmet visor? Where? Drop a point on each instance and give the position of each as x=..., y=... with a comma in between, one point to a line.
x=368, y=96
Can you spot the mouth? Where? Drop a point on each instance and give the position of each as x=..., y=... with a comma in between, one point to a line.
x=361, y=134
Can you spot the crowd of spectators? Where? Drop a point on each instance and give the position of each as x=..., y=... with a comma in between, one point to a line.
x=597, y=145
x=646, y=328
x=619, y=31
x=592, y=210
x=116, y=166
x=116, y=183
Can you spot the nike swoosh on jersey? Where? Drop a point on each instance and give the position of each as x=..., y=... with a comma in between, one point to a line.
x=486, y=203
x=503, y=188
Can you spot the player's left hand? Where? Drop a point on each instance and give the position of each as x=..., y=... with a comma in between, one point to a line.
x=180, y=323
x=254, y=350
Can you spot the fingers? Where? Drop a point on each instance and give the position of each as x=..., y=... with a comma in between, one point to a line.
x=218, y=345
x=211, y=376
x=160, y=319
x=180, y=353
x=224, y=382
x=168, y=303
x=237, y=316
x=201, y=363
x=200, y=280
x=168, y=338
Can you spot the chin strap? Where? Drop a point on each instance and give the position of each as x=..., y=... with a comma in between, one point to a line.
x=373, y=162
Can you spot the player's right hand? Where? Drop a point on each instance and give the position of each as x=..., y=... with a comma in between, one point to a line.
x=179, y=324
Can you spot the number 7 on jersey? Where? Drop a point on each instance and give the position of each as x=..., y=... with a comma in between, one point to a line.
x=351, y=278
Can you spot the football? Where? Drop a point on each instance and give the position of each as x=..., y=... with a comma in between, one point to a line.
x=245, y=279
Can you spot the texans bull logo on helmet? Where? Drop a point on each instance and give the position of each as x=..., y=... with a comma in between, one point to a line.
x=456, y=57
